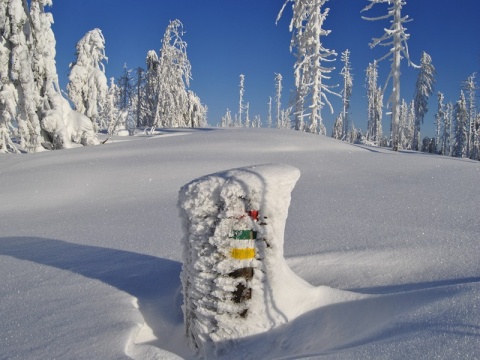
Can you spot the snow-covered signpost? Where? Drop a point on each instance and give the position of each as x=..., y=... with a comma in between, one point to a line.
x=234, y=271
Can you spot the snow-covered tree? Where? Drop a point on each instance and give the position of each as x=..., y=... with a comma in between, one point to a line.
x=346, y=73
x=9, y=11
x=406, y=125
x=442, y=138
x=428, y=145
x=43, y=57
x=443, y=119
x=476, y=140
x=138, y=97
x=375, y=104
x=354, y=135
x=402, y=123
x=111, y=112
x=197, y=112
x=236, y=122
x=470, y=86
x=126, y=99
x=278, y=99
x=226, y=120
x=125, y=89
x=151, y=96
x=7, y=113
x=310, y=69
x=409, y=133
x=33, y=112
x=337, y=132
x=240, y=101
x=300, y=99
x=395, y=38
x=460, y=115
x=257, y=121
x=269, y=118
x=301, y=67
x=449, y=124
x=87, y=87
x=19, y=92
x=174, y=78
x=423, y=90
x=168, y=101
x=285, y=118
x=60, y=124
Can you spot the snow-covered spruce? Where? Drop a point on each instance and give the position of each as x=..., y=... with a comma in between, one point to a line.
x=87, y=86
x=423, y=90
x=168, y=102
x=232, y=286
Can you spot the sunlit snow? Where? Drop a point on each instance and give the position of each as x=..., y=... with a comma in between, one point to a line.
x=90, y=249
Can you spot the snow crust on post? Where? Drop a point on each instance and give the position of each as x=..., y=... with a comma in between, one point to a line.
x=214, y=209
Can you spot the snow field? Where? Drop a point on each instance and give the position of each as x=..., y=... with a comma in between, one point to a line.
x=386, y=242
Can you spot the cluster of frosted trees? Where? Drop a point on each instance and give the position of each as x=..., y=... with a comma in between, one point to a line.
x=457, y=125
x=311, y=72
x=35, y=116
x=33, y=113
x=156, y=97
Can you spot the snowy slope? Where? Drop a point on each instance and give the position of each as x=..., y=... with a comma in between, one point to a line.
x=90, y=248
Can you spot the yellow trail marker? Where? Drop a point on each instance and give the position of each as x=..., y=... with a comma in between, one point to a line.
x=243, y=254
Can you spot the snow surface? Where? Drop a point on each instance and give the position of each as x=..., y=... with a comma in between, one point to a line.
x=90, y=249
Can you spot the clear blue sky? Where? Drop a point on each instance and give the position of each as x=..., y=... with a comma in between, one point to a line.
x=227, y=38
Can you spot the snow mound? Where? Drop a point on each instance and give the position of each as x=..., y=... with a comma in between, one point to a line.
x=66, y=126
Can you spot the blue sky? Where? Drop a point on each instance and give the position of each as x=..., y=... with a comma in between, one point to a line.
x=227, y=38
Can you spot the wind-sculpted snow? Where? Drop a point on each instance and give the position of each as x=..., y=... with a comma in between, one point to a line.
x=91, y=250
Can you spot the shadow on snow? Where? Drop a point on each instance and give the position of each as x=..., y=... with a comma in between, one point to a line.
x=155, y=282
